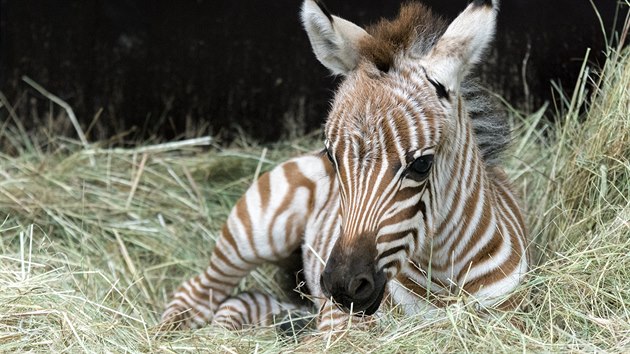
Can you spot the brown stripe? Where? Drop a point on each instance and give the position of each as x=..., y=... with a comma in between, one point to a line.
x=487, y=252
x=422, y=292
x=400, y=216
x=333, y=193
x=449, y=217
x=297, y=180
x=229, y=238
x=248, y=315
x=221, y=282
x=494, y=275
x=242, y=214
x=391, y=237
x=508, y=198
x=264, y=190
x=268, y=312
x=470, y=205
x=218, y=252
x=480, y=230
x=199, y=295
x=256, y=305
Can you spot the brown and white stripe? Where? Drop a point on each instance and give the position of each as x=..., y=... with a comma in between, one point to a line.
x=407, y=200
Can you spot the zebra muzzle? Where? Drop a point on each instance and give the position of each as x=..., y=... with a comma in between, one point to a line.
x=355, y=284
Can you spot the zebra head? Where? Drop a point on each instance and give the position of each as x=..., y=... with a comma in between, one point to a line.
x=389, y=127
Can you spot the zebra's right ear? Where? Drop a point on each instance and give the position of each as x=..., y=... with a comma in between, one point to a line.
x=334, y=40
x=463, y=44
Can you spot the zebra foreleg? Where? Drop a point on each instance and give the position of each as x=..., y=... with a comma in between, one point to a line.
x=255, y=309
x=266, y=225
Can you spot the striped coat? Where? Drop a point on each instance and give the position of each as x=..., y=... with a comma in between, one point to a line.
x=407, y=201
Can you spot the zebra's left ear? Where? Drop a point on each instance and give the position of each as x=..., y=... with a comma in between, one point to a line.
x=463, y=44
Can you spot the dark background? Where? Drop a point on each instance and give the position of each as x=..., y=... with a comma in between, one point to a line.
x=183, y=68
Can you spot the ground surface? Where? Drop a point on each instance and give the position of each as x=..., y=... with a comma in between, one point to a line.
x=93, y=240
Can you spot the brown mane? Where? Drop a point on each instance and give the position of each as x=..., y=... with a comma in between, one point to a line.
x=415, y=28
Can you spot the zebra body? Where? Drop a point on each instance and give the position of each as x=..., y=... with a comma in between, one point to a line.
x=406, y=201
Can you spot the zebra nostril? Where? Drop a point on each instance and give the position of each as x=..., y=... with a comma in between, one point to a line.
x=361, y=286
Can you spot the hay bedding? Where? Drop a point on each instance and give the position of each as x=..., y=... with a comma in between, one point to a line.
x=92, y=240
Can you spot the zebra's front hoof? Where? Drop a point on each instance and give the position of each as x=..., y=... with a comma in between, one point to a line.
x=174, y=319
x=294, y=323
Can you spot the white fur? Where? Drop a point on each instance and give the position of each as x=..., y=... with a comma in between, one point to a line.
x=334, y=42
x=461, y=46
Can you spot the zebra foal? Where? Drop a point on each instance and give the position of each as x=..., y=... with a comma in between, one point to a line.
x=407, y=200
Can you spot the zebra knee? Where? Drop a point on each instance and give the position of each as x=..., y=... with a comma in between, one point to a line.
x=229, y=321
x=185, y=312
x=246, y=310
x=173, y=321
x=232, y=314
x=177, y=316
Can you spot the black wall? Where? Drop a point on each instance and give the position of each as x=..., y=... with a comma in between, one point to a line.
x=174, y=67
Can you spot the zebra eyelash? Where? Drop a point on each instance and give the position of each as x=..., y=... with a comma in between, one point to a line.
x=420, y=168
x=442, y=92
x=425, y=157
x=410, y=156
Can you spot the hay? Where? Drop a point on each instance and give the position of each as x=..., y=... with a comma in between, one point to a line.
x=89, y=254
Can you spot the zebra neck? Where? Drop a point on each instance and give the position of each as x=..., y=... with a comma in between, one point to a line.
x=461, y=197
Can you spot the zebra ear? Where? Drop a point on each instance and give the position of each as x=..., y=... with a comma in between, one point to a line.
x=334, y=40
x=463, y=44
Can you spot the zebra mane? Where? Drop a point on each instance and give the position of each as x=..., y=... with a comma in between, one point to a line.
x=417, y=30
x=489, y=120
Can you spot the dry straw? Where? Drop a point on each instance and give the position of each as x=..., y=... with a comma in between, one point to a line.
x=89, y=253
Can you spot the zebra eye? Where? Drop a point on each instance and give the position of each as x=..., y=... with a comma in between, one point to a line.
x=421, y=166
x=441, y=91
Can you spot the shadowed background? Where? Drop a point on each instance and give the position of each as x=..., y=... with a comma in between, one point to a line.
x=139, y=69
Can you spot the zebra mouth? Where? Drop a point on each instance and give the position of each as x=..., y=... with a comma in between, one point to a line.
x=376, y=304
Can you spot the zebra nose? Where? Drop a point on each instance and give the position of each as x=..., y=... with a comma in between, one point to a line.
x=361, y=286
x=358, y=287
x=358, y=292
x=350, y=276
x=347, y=283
